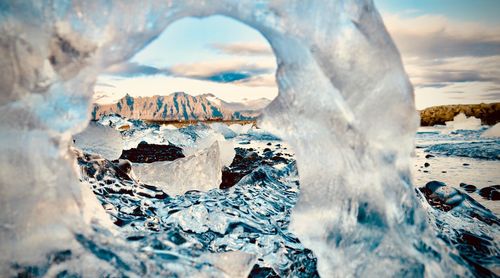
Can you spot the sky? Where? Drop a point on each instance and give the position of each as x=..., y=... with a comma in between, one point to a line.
x=450, y=50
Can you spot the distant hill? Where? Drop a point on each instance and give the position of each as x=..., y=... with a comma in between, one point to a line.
x=489, y=113
x=180, y=107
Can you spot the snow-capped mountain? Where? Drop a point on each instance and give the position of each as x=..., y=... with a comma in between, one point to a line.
x=180, y=107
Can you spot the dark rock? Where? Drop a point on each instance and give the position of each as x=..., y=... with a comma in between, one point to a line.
x=429, y=156
x=426, y=165
x=262, y=272
x=468, y=187
x=441, y=196
x=269, y=144
x=446, y=198
x=147, y=153
x=490, y=193
x=230, y=178
x=244, y=162
x=466, y=164
x=279, y=159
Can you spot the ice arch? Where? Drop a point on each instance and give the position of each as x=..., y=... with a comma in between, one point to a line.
x=345, y=103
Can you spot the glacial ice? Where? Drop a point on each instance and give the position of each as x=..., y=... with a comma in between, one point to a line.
x=462, y=122
x=492, y=132
x=101, y=140
x=240, y=129
x=205, y=139
x=345, y=105
x=234, y=264
x=200, y=171
x=223, y=129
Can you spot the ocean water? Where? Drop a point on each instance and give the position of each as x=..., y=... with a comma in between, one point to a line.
x=458, y=157
x=252, y=217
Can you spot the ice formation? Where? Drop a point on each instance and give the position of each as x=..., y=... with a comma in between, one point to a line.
x=101, y=140
x=240, y=129
x=206, y=138
x=462, y=122
x=223, y=129
x=200, y=171
x=492, y=132
x=345, y=105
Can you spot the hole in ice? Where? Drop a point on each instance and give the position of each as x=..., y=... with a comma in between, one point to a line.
x=215, y=71
x=220, y=69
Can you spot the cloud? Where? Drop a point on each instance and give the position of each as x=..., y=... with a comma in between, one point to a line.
x=224, y=71
x=264, y=80
x=102, y=84
x=436, y=36
x=221, y=71
x=492, y=96
x=437, y=72
x=443, y=56
x=132, y=69
x=244, y=48
x=456, y=93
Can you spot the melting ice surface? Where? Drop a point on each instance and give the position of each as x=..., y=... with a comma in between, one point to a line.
x=181, y=198
x=175, y=209
x=345, y=106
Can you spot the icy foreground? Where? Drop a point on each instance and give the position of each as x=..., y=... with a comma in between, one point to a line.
x=201, y=171
x=344, y=104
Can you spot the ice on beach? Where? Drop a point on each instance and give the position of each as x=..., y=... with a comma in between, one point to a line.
x=176, y=137
x=115, y=121
x=200, y=171
x=462, y=122
x=101, y=140
x=240, y=129
x=492, y=132
x=234, y=263
x=168, y=127
x=223, y=129
x=207, y=138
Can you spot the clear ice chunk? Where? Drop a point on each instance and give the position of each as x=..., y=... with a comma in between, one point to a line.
x=200, y=171
x=207, y=138
x=223, y=129
x=240, y=129
x=101, y=140
x=462, y=122
x=234, y=263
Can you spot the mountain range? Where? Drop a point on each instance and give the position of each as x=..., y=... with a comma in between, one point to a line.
x=180, y=106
